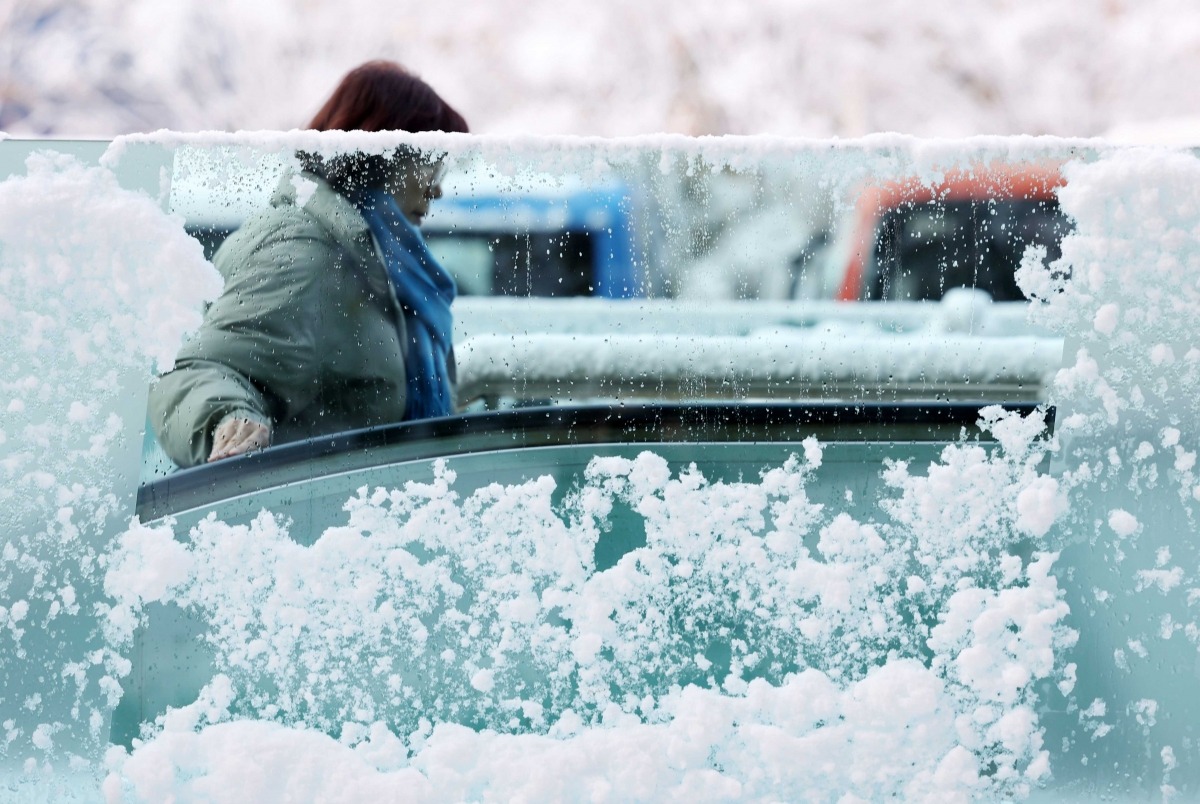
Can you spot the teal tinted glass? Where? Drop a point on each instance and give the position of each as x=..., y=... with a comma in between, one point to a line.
x=723, y=430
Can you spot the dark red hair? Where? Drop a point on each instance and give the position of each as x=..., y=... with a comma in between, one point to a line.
x=377, y=96
x=383, y=96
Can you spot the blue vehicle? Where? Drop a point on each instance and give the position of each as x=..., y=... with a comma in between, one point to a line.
x=569, y=241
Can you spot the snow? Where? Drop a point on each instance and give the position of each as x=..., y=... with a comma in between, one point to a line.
x=1122, y=522
x=1105, y=321
x=449, y=643
x=1039, y=505
x=150, y=563
x=632, y=762
x=586, y=315
x=815, y=68
x=824, y=361
x=83, y=321
x=282, y=615
x=1123, y=395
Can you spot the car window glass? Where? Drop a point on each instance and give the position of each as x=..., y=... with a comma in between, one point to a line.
x=736, y=423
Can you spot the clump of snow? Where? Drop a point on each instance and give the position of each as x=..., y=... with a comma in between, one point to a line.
x=1039, y=505
x=149, y=563
x=304, y=190
x=1105, y=321
x=1122, y=522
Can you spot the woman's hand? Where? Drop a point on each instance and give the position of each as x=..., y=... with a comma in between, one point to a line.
x=236, y=436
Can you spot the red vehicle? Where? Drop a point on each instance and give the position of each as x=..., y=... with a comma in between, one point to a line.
x=914, y=240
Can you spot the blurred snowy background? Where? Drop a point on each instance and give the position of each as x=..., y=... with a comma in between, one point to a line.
x=793, y=67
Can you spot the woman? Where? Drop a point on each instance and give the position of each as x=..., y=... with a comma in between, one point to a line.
x=334, y=315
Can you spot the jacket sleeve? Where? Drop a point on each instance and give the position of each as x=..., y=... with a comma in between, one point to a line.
x=256, y=354
x=188, y=403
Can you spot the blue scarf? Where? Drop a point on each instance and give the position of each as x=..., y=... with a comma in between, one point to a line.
x=425, y=291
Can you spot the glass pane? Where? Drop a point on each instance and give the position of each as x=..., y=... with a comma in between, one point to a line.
x=891, y=434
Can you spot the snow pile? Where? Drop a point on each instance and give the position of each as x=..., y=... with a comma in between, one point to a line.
x=746, y=650
x=84, y=314
x=787, y=742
